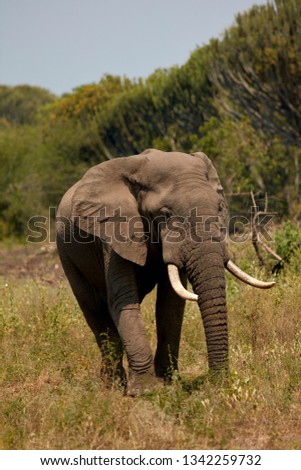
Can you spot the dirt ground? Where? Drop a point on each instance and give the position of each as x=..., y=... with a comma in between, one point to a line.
x=35, y=261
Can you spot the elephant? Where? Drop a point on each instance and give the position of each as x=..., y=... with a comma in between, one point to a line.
x=130, y=224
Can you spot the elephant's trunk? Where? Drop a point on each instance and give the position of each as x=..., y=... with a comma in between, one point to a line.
x=205, y=269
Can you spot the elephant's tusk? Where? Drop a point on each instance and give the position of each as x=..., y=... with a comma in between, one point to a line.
x=174, y=277
x=236, y=271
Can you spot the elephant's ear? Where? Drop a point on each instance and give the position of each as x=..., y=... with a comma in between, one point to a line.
x=104, y=205
x=211, y=172
x=213, y=178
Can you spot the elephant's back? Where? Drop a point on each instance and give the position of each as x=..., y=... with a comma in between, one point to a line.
x=65, y=206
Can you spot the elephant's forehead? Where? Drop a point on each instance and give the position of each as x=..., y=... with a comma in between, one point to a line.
x=197, y=201
x=175, y=166
x=198, y=198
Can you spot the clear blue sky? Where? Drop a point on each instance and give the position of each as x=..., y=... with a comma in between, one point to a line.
x=62, y=44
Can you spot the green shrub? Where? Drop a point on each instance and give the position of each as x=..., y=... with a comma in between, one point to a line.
x=287, y=238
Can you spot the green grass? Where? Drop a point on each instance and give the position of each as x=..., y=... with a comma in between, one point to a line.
x=52, y=396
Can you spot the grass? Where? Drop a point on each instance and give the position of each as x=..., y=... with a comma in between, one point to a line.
x=52, y=396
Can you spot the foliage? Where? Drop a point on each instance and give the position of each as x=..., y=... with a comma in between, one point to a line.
x=256, y=71
x=20, y=181
x=20, y=104
x=257, y=67
x=86, y=101
x=29, y=179
x=287, y=239
x=234, y=146
x=161, y=112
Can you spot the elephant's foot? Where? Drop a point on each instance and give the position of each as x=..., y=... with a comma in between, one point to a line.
x=145, y=382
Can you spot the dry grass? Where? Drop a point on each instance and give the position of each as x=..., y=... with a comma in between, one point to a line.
x=51, y=395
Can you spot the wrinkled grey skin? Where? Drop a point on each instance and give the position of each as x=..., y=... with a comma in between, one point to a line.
x=110, y=277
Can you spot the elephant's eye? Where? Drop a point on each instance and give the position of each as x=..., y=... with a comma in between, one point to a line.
x=221, y=206
x=166, y=213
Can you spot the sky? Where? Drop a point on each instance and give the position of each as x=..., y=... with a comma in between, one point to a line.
x=62, y=44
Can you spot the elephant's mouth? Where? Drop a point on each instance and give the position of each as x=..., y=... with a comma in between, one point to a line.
x=174, y=277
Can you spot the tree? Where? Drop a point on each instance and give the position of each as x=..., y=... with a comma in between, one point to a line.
x=164, y=111
x=257, y=69
x=19, y=105
x=21, y=178
x=79, y=114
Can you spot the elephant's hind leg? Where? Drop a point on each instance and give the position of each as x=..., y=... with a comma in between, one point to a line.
x=105, y=332
x=99, y=320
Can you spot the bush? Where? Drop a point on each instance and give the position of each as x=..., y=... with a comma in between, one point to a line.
x=287, y=239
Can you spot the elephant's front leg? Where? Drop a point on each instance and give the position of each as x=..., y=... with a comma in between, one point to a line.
x=123, y=301
x=169, y=317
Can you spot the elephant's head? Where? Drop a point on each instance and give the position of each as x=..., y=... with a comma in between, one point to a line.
x=177, y=199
